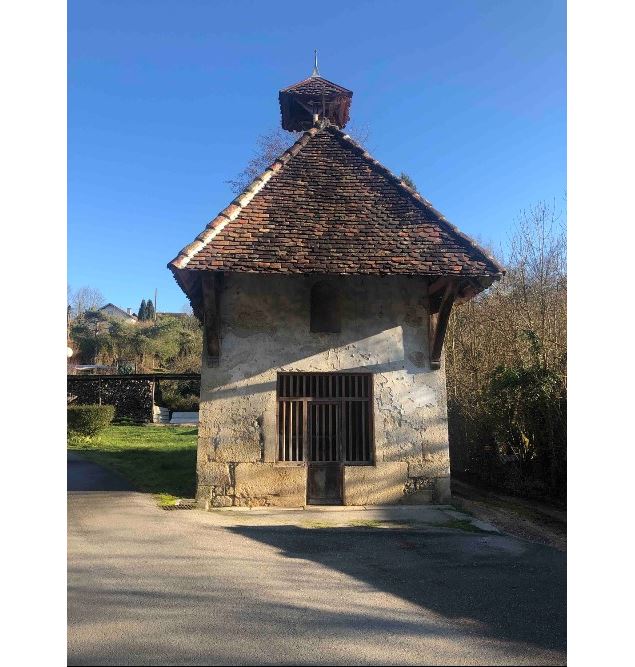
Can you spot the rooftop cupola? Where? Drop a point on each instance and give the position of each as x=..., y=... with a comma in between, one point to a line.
x=303, y=105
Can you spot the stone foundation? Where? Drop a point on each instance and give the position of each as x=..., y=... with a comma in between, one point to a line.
x=252, y=485
x=271, y=485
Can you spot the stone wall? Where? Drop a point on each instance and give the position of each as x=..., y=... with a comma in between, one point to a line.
x=133, y=398
x=265, y=329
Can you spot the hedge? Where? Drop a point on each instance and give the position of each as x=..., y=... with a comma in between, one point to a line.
x=89, y=419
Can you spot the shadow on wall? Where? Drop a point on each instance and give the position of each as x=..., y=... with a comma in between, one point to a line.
x=383, y=318
x=258, y=387
x=505, y=591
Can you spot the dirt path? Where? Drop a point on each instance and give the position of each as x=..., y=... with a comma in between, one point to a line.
x=528, y=520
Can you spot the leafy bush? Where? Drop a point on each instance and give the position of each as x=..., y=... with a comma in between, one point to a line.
x=171, y=343
x=178, y=395
x=89, y=420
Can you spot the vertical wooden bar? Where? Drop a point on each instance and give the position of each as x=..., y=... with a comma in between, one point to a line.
x=331, y=433
x=362, y=405
x=298, y=453
x=349, y=425
x=284, y=430
x=327, y=424
x=324, y=431
x=353, y=422
x=310, y=431
x=360, y=434
x=279, y=429
x=305, y=428
x=291, y=428
x=318, y=430
x=313, y=434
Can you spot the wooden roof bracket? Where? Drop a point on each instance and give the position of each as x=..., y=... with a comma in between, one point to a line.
x=440, y=310
x=212, y=287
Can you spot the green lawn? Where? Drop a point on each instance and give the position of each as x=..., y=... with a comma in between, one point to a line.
x=156, y=459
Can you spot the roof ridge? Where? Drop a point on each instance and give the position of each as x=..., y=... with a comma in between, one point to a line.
x=310, y=78
x=231, y=212
x=422, y=201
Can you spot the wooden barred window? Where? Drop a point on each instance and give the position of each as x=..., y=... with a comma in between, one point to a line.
x=325, y=417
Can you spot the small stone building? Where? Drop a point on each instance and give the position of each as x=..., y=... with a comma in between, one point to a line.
x=325, y=290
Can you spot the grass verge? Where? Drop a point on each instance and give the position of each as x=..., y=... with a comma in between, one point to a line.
x=461, y=524
x=159, y=460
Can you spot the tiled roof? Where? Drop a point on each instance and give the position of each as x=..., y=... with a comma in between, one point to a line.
x=299, y=102
x=326, y=206
x=316, y=85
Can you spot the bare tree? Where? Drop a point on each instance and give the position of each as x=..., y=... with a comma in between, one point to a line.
x=518, y=324
x=271, y=145
x=85, y=298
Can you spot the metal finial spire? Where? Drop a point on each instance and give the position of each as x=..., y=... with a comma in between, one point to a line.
x=316, y=71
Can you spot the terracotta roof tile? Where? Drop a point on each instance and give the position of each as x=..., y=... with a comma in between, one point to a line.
x=326, y=206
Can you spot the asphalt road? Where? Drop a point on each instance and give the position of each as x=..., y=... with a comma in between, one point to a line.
x=153, y=587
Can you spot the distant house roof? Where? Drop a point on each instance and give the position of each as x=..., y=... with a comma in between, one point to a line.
x=326, y=206
x=115, y=311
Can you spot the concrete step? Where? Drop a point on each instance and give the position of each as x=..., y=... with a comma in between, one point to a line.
x=185, y=418
x=160, y=415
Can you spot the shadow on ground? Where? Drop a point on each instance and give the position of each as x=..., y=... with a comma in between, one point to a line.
x=504, y=588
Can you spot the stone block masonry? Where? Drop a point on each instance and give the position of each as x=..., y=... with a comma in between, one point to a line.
x=265, y=330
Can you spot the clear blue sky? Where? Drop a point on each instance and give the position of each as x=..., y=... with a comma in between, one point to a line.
x=166, y=99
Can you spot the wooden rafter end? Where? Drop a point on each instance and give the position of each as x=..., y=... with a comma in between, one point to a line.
x=439, y=316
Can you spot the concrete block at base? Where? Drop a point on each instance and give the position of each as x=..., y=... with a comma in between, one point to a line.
x=442, y=492
x=382, y=484
x=203, y=495
x=280, y=486
x=432, y=465
x=212, y=473
x=423, y=497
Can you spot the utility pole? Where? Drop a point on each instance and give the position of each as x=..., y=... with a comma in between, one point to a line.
x=155, y=304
